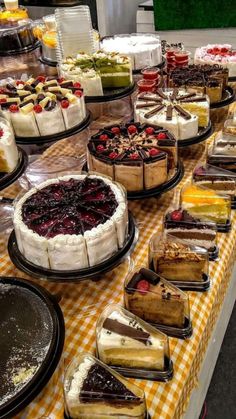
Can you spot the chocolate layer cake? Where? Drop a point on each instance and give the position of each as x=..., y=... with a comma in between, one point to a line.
x=212, y=177
x=92, y=390
x=138, y=156
x=223, y=153
x=153, y=299
x=124, y=340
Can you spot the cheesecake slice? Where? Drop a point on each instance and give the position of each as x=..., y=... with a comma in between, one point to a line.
x=124, y=340
x=154, y=299
x=176, y=260
x=212, y=177
x=92, y=390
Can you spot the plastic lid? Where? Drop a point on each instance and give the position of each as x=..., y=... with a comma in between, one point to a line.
x=208, y=171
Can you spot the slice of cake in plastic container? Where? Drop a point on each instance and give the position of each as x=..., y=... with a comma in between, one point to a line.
x=212, y=177
x=93, y=390
x=223, y=152
x=124, y=340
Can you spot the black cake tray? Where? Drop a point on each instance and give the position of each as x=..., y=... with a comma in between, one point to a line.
x=213, y=255
x=74, y=275
x=232, y=79
x=202, y=135
x=19, y=51
x=55, y=137
x=159, y=190
x=184, y=332
x=233, y=203
x=48, y=62
x=154, y=375
x=227, y=99
x=112, y=94
x=6, y=179
x=224, y=228
x=23, y=397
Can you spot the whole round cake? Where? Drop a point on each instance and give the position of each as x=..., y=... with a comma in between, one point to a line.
x=138, y=156
x=222, y=54
x=72, y=222
x=42, y=106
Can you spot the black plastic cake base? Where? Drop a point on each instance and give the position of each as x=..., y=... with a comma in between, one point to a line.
x=75, y=275
x=48, y=62
x=176, y=332
x=213, y=255
x=69, y=417
x=19, y=51
x=55, y=137
x=153, y=375
x=224, y=228
x=232, y=79
x=233, y=203
x=6, y=179
x=111, y=94
x=202, y=135
x=159, y=190
x=228, y=97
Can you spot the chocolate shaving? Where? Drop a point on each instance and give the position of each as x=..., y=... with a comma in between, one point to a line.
x=169, y=112
x=182, y=112
x=154, y=111
x=128, y=331
x=149, y=98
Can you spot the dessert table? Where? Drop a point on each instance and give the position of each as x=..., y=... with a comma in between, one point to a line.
x=83, y=302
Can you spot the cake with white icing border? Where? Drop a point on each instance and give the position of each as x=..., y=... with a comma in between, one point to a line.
x=8, y=148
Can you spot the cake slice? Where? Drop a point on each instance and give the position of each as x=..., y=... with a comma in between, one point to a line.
x=205, y=203
x=181, y=224
x=212, y=177
x=154, y=299
x=176, y=260
x=8, y=149
x=93, y=390
x=124, y=340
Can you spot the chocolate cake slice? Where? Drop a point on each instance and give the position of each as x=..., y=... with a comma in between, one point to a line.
x=212, y=177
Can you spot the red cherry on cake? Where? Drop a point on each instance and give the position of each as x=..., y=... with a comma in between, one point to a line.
x=134, y=156
x=3, y=101
x=113, y=155
x=149, y=130
x=143, y=286
x=132, y=129
x=210, y=51
x=115, y=130
x=38, y=108
x=100, y=147
x=14, y=108
x=176, y=215
x=216, y=50
x=154, y=152
x=224, y=50
x=161, y=136
x=65, y=104
x=61, y=79
x=103, y=137
x=1, y=133
x=41, y=79
x=19, y=82
x=77, y=85
x=78, y=93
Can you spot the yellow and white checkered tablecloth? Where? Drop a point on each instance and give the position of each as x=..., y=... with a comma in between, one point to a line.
x=82, y=303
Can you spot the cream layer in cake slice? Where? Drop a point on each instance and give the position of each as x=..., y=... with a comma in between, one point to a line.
x=24, y=125
x=126, y=341
x=8, y=149
x=50, y=122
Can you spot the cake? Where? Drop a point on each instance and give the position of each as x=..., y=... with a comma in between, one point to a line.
x=154, y=299
x=176, y=260
x=98, y=71
x=138, y=156
x=8, y=149
x=230, y=124
x=180, y=112
x=181, y=224
x=200, y=79
x=205, y=204
x=72, y=222
x=12, y=13
x=93, y=390
x=223, y=152
x=212, y=177
x=142, y=49
x=222, y=54
x=42, y=106
x=124, y=340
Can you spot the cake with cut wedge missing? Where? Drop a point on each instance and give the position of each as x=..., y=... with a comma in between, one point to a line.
x=93, y=390
x=154, y=300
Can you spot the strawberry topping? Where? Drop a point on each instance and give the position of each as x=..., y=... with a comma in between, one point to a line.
x=14, y=108
x=100, y=147
x=176, y=215
x=161, y=136
x=132, y=129
x=134, y=156
x=77, y=85
x=103, y=137
x=61, y=79
x=19, y=82
x=115, y=130
x=78, y=93
x=154, y=152
x=1, y=132
x=3, y=100
x=38, y=108
x=113, y=155
x=143, y=286
x=41, y=79
x=65, y=104
x=149, y=130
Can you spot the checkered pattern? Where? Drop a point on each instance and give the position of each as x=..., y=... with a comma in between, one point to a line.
x=83, y=302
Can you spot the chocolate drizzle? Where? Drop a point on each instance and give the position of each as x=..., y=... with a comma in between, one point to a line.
x=124, y=330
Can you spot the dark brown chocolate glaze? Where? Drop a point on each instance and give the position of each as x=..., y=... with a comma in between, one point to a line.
x=187, y=222
x=101, y=385
x=122, y=329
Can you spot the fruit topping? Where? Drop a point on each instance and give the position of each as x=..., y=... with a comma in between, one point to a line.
x=103, y=137
x=176, y=215
x=38, y=108
x=77, y=85
x=161, y=136
x=1, y=132
x=113, y=155
x=143, y=286
x=154, y=152
x=65, y=103
x=134, y=156
x=41, y=79
x=20, y=82
x=115, y=130
x=78, y=93
x=149, y=130
x=100, y=148
x=14, y=108
x=61, y=79
x=3, y=100
x=132, y=129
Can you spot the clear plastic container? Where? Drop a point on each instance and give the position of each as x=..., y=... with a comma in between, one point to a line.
x=93, y=390
x=181, y=224
x=223, y=182
x=154, y=299
x=206, y=204
x=176, y=260
x=223, y=152
x=6, y=215
x=230, y=126
x=17, y=38
x=124, y=340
